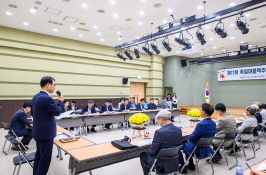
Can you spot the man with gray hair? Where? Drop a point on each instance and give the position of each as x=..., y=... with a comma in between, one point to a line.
x=168, y=136
x=250, y=121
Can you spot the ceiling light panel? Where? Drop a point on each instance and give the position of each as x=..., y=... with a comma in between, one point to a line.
x=70, y=19
x=52, y=11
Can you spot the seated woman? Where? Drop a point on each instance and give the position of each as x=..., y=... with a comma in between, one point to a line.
x=65, y=106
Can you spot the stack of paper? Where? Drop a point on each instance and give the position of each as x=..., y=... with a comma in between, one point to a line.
x=262, y=167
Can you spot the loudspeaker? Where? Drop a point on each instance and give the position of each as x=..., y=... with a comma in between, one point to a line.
x=184, y=63
x=125, y=80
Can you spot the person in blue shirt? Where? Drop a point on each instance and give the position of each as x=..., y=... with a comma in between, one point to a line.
x=132, y=103
x=145, y=103
x=152, y=105
x=19, y=122
x=204, y=129
x=89, y=109
x=106, y=108
x=140, y=106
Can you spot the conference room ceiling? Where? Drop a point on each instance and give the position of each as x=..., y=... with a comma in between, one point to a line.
x=103, y=22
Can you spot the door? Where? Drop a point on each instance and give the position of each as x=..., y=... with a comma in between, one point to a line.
x=168, y=90
x=137, y=90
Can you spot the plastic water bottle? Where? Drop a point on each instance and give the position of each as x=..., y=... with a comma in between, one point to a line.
x=180, y=126
x=77, y=133
x=147, y=132
x=239, y=170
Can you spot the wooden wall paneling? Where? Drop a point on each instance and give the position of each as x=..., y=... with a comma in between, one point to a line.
x=5, y=111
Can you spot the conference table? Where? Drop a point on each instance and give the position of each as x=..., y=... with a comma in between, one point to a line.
x=84, y=120
x=253, y=167
x=87, y=156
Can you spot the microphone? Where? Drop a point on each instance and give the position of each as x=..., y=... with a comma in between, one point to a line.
x=58, y=93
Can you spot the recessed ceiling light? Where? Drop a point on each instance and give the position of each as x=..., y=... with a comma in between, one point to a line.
x=232, y=25
x=207, y=27
x=177, y=52
x=102, y=39
x=119, y=38
x=95, y=27
x=200, y=7
x=112, y=2
x=101, y=11
x=214, y=47
x=140, y=23
x=241, y=41
x=84, y=5
x=247, y=14
x=26, y=24
x=55, y=30
x=8, y=13
x=13, y=6
x=99, y=34
x=170, y=10
x=232, y=4
x=164, y=21
x=232, y=37
x=141, y=12
x=80, y=35
x=118, y=33
x=211, y=38
x=72, y=28
x=162, y=52
x=157, y=5
x=201, y=53
x=33, y=11
x=115, y=15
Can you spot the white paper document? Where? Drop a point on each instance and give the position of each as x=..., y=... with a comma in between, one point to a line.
x=262, y=167
x=65, y=114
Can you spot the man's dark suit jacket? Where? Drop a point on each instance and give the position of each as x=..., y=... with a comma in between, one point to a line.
x=152, y=106
x=85, y=109
x=104, y=108
x=70, y=107
x=19, y=122
x=44, y=111
x=168, y=136
x=122, y=107
x=138, y=108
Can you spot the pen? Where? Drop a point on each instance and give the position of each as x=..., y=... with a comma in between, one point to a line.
x=249, y=167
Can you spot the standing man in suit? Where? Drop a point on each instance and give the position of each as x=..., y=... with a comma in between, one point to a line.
x=204, y=129
x=124, y=107
x=73, y=106
x=140, y=105
x=19, y=122
x=227, y=123
x=168, y=136
x=44, y=111
x=106, y=108
x=89, y=109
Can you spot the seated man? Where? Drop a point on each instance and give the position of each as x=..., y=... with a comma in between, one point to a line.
x=132, y=103
x=73, y=106
x=250, y=121
x=124, y=107
x=259, y=119
x=227, y=123
x=19, y=122
x=204, y=129
x=89, y=109
x=140, y=106
x=164, y=105
x=152, y=105
x=145, y=103
x=106, y=108
x=263, y=114
x=168, y=136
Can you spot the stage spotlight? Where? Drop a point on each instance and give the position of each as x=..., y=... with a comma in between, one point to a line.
x=147, y=50
x=154, y=47
x=166, y=45
x=121, y=56
x=182, y=42
x=136, y=51
x=127, y=52
x=242, y=26
x=220, y=31
x=200, y=37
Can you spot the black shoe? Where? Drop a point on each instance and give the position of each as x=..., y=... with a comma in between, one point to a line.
x=88, y=130
x=184, y=170
x=191, y=167
x=93, y=130
x=108, y=127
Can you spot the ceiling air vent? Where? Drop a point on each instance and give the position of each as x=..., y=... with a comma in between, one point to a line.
x=57, y=23
x=86, y=30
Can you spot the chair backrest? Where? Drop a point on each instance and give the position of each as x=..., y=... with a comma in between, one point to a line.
x=205, y=142
x=169, y=153
x=230, y=135
x=6, y=126
x=248, y=130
